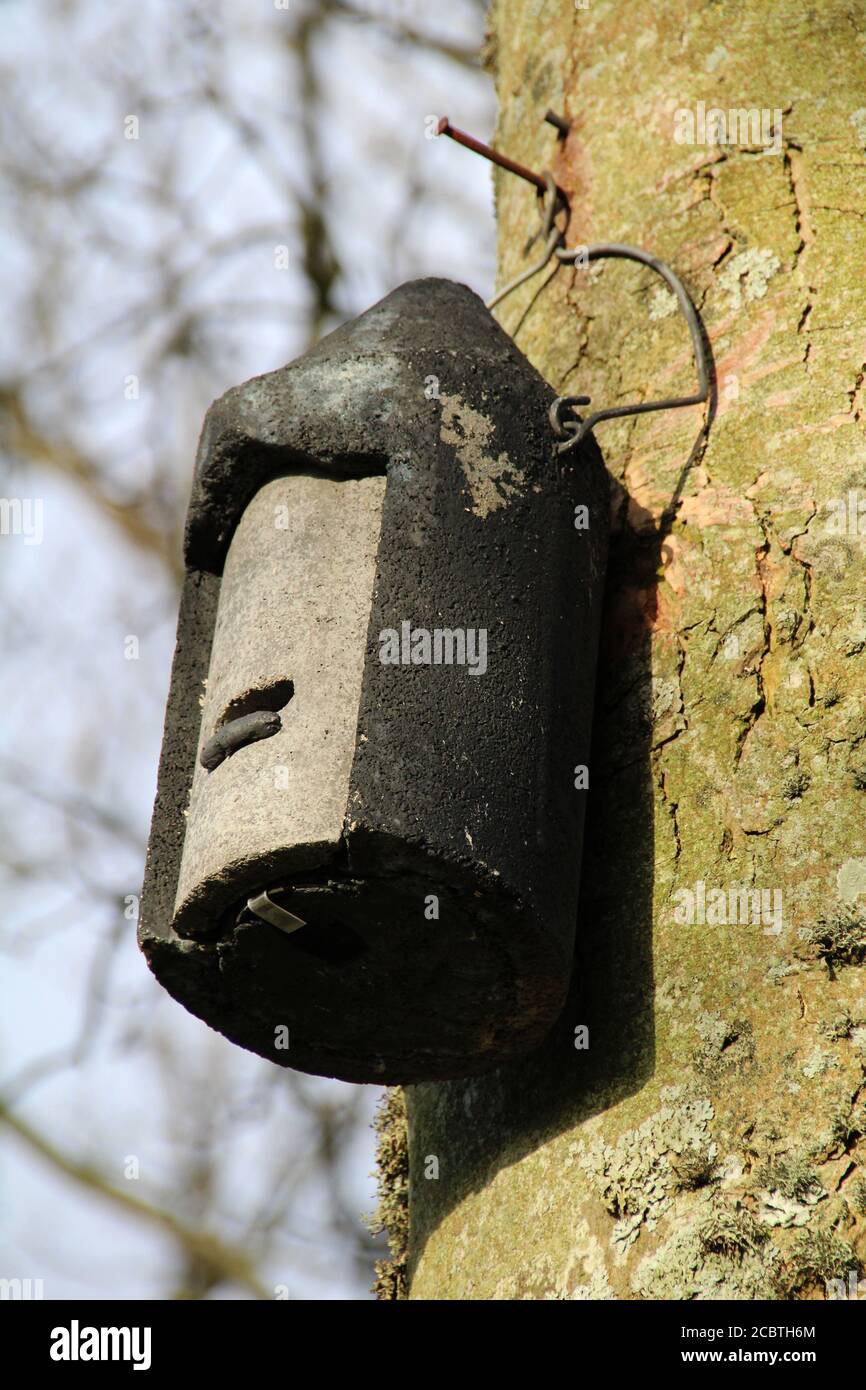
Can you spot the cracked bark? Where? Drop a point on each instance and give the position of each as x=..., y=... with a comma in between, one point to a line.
x=709, y=1142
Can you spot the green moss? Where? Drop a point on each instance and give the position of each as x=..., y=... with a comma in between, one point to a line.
x=794, y=786
x=732, y=1233
x=717, y=1252
x=694, y=1168
x=839, y=939
x=846, y=1129
x=728, y=1045
x=858, y=1194
x=793, y=1176
x=392, y=1212
x=637, y=1177
x=836, y=1027
x=818, y=1256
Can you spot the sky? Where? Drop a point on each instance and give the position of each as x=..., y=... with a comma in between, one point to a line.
x=138, y=282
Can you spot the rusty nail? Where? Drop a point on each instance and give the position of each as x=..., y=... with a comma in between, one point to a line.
x=446, y=128
x=562, y=125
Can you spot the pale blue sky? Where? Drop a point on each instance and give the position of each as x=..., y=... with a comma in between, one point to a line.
x=81, y=279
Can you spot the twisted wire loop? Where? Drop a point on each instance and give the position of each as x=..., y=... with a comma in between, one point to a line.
x=571, y=431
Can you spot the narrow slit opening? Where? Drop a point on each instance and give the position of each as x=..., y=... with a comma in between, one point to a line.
x=274, y=696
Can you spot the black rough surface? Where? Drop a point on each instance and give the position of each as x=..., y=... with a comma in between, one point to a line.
x=461, y=786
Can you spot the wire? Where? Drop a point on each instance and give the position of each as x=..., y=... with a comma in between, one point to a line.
x=570, y=432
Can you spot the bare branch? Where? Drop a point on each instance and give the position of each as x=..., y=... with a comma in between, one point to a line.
x=228, y=1261
x=25, y=439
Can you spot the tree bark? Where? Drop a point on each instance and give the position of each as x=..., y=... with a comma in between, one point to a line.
x=708, y=1143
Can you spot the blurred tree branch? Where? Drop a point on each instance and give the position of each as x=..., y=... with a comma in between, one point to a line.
x=25, y=440
x=465, y=55
x=154, y=260
x=226, y=1261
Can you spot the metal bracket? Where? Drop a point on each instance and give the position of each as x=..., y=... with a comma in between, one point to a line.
x=573, y=431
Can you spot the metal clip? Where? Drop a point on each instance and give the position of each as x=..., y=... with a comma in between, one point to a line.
x=264, y=907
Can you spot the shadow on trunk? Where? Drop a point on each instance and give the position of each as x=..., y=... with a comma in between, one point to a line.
x=476, y=1127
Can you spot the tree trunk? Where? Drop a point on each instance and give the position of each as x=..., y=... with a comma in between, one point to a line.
x=707, y=1144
